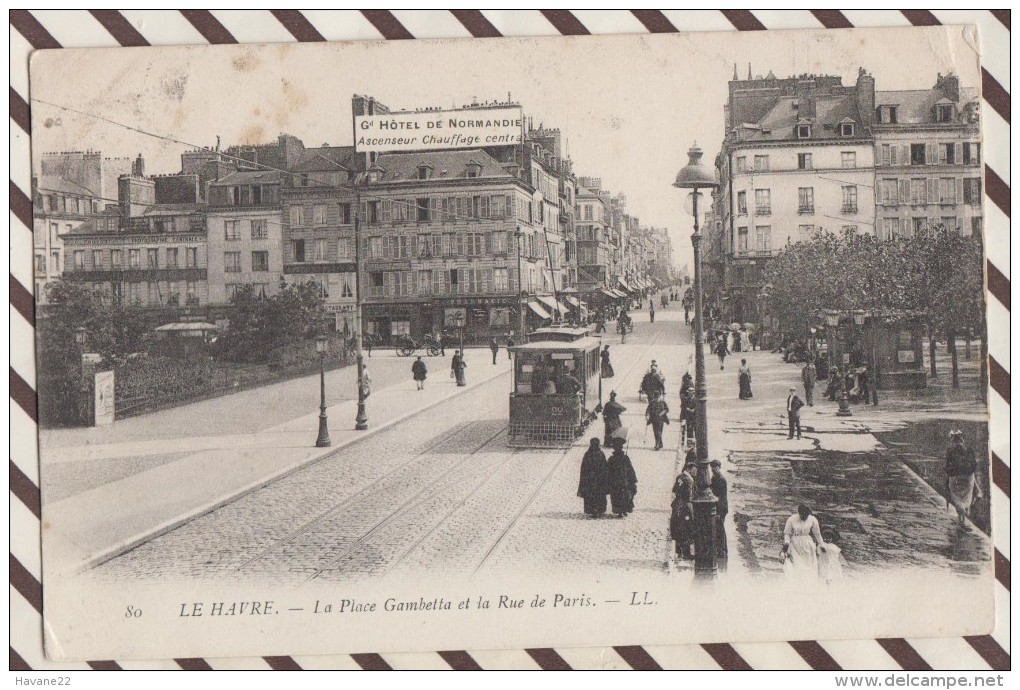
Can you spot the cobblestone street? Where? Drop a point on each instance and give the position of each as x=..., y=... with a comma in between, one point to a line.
x=441, y=492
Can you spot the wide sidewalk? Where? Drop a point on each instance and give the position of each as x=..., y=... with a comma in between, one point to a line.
x=193, y=474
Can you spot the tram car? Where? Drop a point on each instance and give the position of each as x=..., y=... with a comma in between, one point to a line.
x=557, y=387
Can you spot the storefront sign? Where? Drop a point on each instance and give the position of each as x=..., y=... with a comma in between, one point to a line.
x=104, y=398
x=438, y=129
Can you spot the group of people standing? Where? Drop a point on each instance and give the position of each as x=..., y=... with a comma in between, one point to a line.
x=681, y=521
x=601, y=477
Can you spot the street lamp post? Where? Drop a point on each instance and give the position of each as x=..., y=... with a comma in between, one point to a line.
x=323, y=439
x=832, y=320
x=695, y=176
x=80, y=336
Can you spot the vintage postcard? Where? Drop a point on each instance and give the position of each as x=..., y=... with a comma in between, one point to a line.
x=511, y=343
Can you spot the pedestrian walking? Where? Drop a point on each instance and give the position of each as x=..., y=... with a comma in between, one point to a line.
x=458, y=366
x=736, y=341
x=744, y=380
x=681, y=518
x=686, y=384
x=494, y=346
x=509, y=344
x=802, y=539
x=793, y=405
x=833, y=387
x=652, y=382
x=592, y=485
x=657, y=415
x=368, y=340
x=651, y=312
x=420, y=372
x=829, y=566
x=722, y=507
x=961, y=469
x=622, y=480
x=688, y=413
x=441, y=342
x=607, y=366
x=611, y=414
x=721, y=351
x=807, y=377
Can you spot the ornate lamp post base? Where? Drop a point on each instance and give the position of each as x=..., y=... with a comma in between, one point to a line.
x=844, y=406
x=323, y=440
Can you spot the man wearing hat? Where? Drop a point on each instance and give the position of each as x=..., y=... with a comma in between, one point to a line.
x=793, y=405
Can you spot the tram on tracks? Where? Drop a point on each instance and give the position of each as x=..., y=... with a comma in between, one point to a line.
x=557, y=387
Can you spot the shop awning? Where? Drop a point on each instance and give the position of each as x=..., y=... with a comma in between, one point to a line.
x=610, y=293
x=539, y=311
x=621, y=294
x=547, y=301
x=573, y=300
x=623, y=284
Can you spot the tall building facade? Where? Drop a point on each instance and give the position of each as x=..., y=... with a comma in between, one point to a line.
x=798, y=157
x=928, y=164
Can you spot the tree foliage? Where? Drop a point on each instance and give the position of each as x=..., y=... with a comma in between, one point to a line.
x=261, y=326
x=936, y=276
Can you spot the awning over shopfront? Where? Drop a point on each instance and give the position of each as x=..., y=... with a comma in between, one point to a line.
x=625, y=286
x=619, y=294
x=539, y=311
x=548, y=301
x=573, y=300
x=610, y=293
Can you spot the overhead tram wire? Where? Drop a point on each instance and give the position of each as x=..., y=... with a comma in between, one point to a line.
x=245, y=161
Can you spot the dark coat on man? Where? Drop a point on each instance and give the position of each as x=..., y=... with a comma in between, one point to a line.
x=652, y=383
x=419, y=370
x=593, y=485
x=622, y=482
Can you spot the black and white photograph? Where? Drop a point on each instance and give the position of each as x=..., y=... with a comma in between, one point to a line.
x=348, y=347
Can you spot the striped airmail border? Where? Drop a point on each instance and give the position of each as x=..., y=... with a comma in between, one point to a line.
x=38, y=29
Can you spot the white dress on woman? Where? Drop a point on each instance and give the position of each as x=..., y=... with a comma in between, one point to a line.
x=802, y=537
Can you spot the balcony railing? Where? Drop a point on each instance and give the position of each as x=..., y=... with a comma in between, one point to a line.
x=849, y=208
x=805, y=210
x=752, y=253
x=763, y=210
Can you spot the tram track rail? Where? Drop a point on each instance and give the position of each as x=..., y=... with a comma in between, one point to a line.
x=363, y=493
x=519, y=513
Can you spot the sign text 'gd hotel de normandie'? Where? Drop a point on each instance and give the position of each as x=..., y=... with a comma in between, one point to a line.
x=438, y=129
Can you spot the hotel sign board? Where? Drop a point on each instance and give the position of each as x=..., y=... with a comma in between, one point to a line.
x=434, y=130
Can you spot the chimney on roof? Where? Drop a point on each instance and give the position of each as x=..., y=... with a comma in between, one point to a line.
x=138, y=167
x=950, y=87
x=749, y=71
x=734, y=71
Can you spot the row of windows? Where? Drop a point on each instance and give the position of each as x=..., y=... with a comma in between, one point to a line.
x=805, y=161
x=232, y=262
x=805, y=200
x=922, y=191
x=890, y=228
x=319, y=214
x=70, y=204
x=945, y=153
x=113, y=259
x=418, y=210
x=258, y=229
x=889, y=114
x=455, y=281
x=320, y=250
x=154, y=293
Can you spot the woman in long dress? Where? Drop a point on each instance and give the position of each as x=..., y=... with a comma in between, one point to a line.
x=802, y=538
x=961, y=468
x=611, y=414
x=592, y=485
x=744, y=379
x=458, y=368
x=681, y=519
x=607, y=367
x=622, y=480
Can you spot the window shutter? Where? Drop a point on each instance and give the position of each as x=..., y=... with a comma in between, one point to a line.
x=460, y=245
x=957, y=153
x=904, y=191
x=933, y=191
x=363, y=213
x=931, y=154
x=508, y=210
x=433, y=208
x=959, y=190
x=484, y=207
